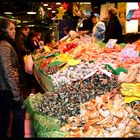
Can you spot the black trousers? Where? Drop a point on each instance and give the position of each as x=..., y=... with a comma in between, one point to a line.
x=7, y=104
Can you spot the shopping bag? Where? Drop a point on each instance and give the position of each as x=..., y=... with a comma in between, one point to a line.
x=28, y=64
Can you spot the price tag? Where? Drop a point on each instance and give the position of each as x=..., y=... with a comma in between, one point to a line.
x=129, y=52
x=111, y=43
x=129, y=89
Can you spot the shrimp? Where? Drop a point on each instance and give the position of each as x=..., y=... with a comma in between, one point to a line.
x=105, y=113
x=117, y=134
x=89, y=123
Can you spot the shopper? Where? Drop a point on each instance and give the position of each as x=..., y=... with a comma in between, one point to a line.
x=49, y=38
x=20, y=39
x=32, y=43
x=39, y=40
x=21, y=36
x=10, y=92
x=66, y=30
x=38, y=36
x=114, y=27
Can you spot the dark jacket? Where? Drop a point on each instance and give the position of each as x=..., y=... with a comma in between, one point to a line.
x=9, y=68
x=30, y=44
x=114, y=30
x=22, y=50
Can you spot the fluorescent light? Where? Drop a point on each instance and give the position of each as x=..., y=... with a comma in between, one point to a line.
x=31, y=13
x=25, y=21
x=31, y=25
x=85, y=3
x=49, y=8
x=45, y=4
x=18, y=25
x=8, y=13
x=53, y=11
x=58, y=3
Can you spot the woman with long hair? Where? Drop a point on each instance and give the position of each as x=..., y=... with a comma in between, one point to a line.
x=10, y=90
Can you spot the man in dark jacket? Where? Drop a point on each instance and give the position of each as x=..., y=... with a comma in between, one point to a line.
x=114, y=27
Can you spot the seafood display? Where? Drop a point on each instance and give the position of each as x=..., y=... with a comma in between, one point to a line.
x=105, y=116
x=88, y=79
x=65, y=102
x=133, y=75
x=74, y=73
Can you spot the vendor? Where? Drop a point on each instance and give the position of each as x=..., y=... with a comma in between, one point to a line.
x=114, y=27
x=98, y=31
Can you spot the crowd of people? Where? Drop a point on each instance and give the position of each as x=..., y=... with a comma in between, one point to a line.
x=100, y=30
x=15, y=83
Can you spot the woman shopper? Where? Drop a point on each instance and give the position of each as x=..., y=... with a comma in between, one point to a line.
x=49, y=38
x=10, y=92
x=21, y=36
x=31, y=42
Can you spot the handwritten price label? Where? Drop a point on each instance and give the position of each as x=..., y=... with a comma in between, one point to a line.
x=129, y=89
x=111, y=43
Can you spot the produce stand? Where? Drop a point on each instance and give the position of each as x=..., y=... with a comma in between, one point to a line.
x=91, y=97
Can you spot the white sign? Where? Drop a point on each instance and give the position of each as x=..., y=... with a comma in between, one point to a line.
x=111, y=43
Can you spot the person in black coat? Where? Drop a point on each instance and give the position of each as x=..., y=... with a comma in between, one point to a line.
x=11, y=99
x=20, y=38
x=31, y=43
x=114, y=27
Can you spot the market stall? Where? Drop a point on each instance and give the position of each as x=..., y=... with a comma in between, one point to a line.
x=90, y=90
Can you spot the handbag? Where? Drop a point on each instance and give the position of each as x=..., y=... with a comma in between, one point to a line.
x=28, y=64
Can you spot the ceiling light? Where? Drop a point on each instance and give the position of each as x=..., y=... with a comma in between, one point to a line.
x=85, y=3
x=49, y=8
x=8, y=13
x=31, y=13
x=53, y=11
x=31, y=25
x=58, y=3
x=18, y=26
x=45, y=4
x=25, y=21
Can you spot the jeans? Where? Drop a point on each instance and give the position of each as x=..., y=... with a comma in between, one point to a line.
x=7, y=104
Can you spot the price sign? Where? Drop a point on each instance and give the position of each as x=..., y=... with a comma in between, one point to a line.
x=111, y=43
x=129, y=89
